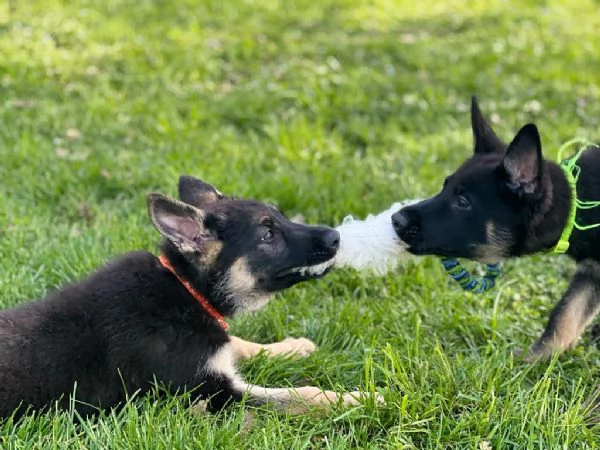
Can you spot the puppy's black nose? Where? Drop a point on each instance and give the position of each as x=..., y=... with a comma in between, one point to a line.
x=400, y=221
x=332, y=240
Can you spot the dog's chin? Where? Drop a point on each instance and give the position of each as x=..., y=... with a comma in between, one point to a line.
x=419, y=250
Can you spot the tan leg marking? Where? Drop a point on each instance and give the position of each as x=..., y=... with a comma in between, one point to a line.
x=572, y=314
x=298, y=347
x=300, y=400
x=290, y=400
x=568, y=327
x=572, y=321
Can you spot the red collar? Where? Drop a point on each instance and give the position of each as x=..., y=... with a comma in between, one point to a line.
x=197, y=295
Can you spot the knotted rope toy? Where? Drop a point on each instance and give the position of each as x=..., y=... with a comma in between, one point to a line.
x=467, y=281
x=372, y=244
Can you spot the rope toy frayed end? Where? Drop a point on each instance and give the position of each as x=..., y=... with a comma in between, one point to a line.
x=468, y=282
x=372, y=244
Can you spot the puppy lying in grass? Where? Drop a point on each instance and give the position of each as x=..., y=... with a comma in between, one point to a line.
x=143, y=320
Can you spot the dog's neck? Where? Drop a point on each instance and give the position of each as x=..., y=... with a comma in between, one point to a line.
x=201, y=279
x=552, y=211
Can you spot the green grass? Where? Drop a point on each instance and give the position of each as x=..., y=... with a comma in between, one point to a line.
x=325, y=108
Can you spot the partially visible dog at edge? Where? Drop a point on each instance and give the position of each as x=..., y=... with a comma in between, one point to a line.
x=508, y=201
x=140, y=319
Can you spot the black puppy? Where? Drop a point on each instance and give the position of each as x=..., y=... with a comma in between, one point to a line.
x=141, y=319
x=507, y=201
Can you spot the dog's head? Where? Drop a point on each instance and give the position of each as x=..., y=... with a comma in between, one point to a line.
x=485, y=209
x=247, y=249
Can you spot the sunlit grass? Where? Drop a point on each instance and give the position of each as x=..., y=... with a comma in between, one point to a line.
x=326, y=109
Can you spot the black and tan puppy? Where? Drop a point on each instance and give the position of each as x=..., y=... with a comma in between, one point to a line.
x=507, y=201
x=142, y=320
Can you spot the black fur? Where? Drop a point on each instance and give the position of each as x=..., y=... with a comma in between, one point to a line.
x=132, y=323
x=507, y=201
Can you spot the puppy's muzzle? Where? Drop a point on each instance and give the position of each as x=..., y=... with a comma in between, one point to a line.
x=331, y=241
x=406, y=224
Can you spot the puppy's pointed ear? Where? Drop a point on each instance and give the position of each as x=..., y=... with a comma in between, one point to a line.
x=485, y=139
x=178, y=222
x=523, y=161
x=196, y=192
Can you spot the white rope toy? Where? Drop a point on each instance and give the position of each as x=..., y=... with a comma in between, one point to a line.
x=371, y=244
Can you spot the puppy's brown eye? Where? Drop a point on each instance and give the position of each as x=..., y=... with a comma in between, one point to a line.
x=463, y=202
x=268, y=236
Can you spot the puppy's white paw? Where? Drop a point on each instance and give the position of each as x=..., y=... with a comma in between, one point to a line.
x=199, y=408
x=356, y=397
x=316, y=396
x=292, y=346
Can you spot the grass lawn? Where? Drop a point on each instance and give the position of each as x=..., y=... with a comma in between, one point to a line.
x=325, y=108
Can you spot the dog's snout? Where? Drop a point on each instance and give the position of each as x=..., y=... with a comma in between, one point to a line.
x=400, y=221
x=407, y=225
x=332, y=240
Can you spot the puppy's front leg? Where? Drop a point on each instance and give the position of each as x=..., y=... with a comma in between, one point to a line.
x=300, y=400
x=577, y=308
x=291, y=400
x=245, y=349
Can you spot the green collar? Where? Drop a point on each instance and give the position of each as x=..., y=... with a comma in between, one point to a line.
x=572, y=171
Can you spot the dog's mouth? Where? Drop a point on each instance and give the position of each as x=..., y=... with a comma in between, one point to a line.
x=307, y=272
x=411, y=235
x=400, y=242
